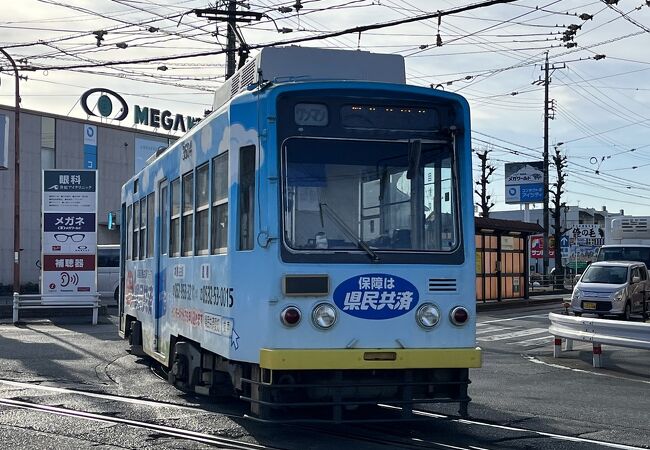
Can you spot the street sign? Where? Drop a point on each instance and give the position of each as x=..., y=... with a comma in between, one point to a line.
x=69, y=228
x=524, y=182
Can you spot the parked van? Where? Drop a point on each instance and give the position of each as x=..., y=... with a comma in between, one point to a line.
x=625, y=252
x=108, y=270
x=611, y=288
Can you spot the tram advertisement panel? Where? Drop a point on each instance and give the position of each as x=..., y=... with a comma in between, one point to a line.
x=69, y=233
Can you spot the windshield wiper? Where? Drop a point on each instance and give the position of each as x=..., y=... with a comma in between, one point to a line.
x=347, y=230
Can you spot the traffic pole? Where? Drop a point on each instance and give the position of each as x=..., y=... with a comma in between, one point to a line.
x=598, y=353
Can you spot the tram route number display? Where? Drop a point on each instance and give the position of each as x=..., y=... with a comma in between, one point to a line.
x=217, y=295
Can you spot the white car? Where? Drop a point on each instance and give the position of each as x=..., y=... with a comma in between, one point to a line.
x=108, y=271
x=611, y=288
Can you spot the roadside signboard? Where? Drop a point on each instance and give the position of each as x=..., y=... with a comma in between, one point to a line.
x=524, y=182
x=69, y=233
x=587, y=234
x=537, y=246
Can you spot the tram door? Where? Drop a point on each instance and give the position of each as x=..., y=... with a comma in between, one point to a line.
x=162, y=237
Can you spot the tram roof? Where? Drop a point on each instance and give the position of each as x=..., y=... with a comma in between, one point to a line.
x=305, y=63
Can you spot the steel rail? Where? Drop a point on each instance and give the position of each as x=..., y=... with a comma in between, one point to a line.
x=169, y=431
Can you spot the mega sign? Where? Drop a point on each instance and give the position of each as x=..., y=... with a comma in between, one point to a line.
x=143, y=115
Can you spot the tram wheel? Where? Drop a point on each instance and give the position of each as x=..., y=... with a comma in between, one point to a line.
x=184, y=366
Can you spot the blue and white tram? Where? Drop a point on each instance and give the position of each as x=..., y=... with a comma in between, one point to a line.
x=309, y=246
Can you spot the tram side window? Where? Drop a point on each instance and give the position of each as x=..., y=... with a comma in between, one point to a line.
x=164, y=214
x=220, y=203
x=150, y=224
x=136, y=229
x=129, y=227
x=175, y=228
x=246, y=204
x=188, y=214
x=143, y=226
x=202, y=210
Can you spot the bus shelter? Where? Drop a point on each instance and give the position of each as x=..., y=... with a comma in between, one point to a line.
x=502, y=258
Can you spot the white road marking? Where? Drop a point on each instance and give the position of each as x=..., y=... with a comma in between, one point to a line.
x=558, y=437
x=533, y=341
x=511, y=318
x=491, y=329
x=514, y=334
x=600, y=374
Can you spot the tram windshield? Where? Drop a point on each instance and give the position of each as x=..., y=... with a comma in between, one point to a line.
x=369, y=195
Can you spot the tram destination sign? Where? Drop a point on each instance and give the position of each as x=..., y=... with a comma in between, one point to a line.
x=69, y=234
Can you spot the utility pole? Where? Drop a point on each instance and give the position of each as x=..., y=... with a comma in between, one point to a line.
x=231, y=41
x=231, y=16
x=549, y=113
x=16, y=283
x=546, y=224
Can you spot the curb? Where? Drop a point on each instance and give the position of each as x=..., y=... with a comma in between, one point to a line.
x=6, y=312
x=515, y=304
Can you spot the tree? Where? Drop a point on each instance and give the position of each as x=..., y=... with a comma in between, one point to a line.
x=486, y=172
x=556, y=191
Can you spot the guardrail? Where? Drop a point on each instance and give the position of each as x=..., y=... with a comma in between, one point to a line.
x=543, y=283
x=38, y=301
x=598, y=332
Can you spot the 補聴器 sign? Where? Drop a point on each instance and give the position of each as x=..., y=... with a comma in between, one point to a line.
x=525, y=182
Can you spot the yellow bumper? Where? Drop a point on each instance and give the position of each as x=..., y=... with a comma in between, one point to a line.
x=324, y=359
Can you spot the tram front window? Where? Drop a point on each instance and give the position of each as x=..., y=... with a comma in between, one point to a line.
x=369, y=196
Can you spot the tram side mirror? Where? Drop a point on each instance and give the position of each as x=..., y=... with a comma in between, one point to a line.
x=415, y=150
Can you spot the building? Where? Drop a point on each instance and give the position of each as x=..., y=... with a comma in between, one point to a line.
x=49, y=141
x=572, y=218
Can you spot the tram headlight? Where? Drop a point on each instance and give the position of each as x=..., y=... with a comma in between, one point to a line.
x=324, y=316
x=290, y=316
x=427, y=315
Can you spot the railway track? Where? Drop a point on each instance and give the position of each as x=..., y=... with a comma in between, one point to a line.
x=370, y=434
x=180, y=433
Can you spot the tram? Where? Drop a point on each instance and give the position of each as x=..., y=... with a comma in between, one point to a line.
x=309, y=246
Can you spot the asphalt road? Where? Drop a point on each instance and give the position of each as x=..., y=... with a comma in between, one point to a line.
x=522, y=397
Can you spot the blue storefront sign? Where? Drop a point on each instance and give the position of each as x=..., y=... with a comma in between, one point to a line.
x=524, y=182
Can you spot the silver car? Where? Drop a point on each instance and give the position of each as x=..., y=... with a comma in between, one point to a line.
x=611, y=288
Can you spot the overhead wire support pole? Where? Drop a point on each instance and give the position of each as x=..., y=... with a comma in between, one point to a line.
x=548, y=108
x=231, y=40
x=231, y=16
x=16, y=282
x=546, y=218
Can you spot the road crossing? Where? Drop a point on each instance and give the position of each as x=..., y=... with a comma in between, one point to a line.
x=523, y=332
